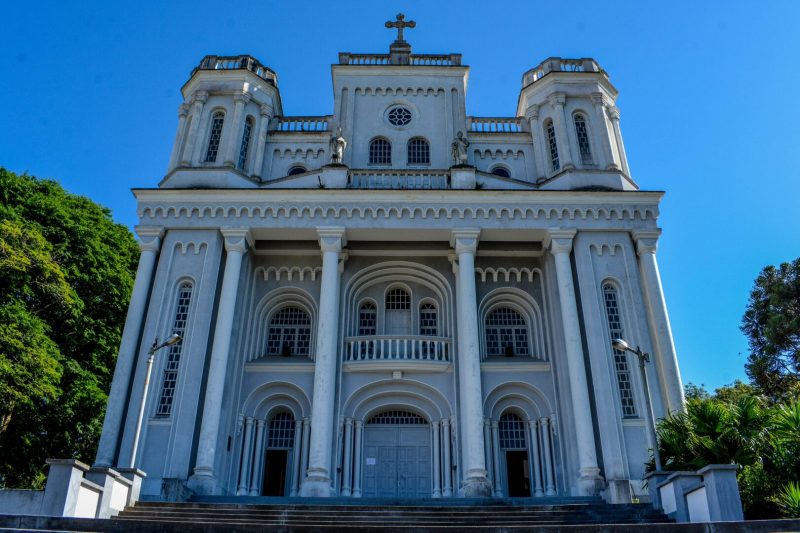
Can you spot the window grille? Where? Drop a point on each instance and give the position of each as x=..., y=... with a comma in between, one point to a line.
x=215, y=136
x=295, y=170
x=512, y=432
x=248, y=129
x=506, y=333
x=620, y=358
x=502, y=172
x=428, y=320
x=583, y=139
x=551, y=140
x=164, y=407
x=419, y=152
x=281, y=431
x=398, y=300
x=398, y=418
x=367, y=319
x=380, y=152
x=399, y=116
x=289, y=332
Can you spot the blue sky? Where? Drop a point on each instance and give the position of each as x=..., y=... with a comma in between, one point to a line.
x=89, y=93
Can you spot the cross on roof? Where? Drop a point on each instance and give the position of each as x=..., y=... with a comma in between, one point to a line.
x=400, y=24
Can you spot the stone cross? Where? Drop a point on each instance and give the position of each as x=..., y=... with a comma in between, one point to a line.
x=400, y=24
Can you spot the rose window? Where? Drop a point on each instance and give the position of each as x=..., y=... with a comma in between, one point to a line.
x=399, y=116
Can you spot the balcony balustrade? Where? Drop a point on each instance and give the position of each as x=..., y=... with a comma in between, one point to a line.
x=495, y=124
x=558, y=64
x=437, y=60
x=398, y=179
x=397, y=348
x=238, y=63
x=302, y=124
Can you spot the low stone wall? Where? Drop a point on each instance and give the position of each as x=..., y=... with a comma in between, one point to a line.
x=709, y=495
x=21, y=502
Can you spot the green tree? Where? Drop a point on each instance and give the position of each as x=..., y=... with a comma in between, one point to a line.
x=772, y=325
x=66, y=272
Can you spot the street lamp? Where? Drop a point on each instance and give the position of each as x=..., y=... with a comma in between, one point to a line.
x=621, y=345
x=175, y=338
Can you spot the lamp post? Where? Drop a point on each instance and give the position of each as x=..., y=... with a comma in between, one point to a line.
x=621, y=345
x=175, y=338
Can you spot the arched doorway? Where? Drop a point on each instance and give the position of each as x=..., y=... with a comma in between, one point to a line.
x=514, y=450
x=280, y=443
x=397, y=456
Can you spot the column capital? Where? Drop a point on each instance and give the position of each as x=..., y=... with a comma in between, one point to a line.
x=445, y=422
x=248, y=420
x=557, y=99
x=237, y=239
x=242, y=97
x=348, y=421
x=183, y=110
x=544, y=421
x=559, y=240
x=532, y=113
x=598, y=99
x=260, y=423
x=306, y=421
x=487, y=422
x=532, y=423
x=646, y=241
x=149, y=237
x=495, y=424
x=332, y=238
x=265, y=110
x=200, y=97
x=435, y=424
x=359, y=424
x=613, y=112
x=465, y=240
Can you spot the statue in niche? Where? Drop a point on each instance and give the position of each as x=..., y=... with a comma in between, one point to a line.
x=337, y=145
x=459, y=149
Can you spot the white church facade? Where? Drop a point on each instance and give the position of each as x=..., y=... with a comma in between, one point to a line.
x=397, y=300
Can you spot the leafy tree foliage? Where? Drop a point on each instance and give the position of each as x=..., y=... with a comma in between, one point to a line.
x=66, y=272
x=772, y=325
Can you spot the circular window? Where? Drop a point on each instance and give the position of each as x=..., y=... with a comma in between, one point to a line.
x=399, y=116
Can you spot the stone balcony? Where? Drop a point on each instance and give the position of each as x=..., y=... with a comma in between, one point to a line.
x=558, y=64
x=413, y=349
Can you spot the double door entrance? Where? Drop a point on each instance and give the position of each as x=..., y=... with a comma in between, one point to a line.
x=397, y=459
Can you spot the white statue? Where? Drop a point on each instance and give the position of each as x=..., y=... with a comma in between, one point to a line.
x=459, y=149
x=338, y=144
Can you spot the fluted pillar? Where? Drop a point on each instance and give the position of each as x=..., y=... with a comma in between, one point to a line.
x=183, y=111
x=261, y=140
x=298, y=440
x=359, y=429
x=602, y=133
x=318, y=478
x=557, y=100
x=347, y=466
x=304, y=449
x=613, y=113
x=498, y=487
x=234, y=140
x=474, y=481
x=203, y=481
x=247, y=452
x=191, y=151
x=149, y=246
x=549, y=485
x=490, y=451
x=437, y=469
x=538, y=142
x=447, y=471
x=658, y=318
x=536, y=462
x=258, y=460
x=560, y=244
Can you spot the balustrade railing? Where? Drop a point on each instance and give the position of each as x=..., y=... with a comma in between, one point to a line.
x=558, y=64
x=302, y=124
x=237, y=63
x=439, y=60
x=495, y=124
x=398, y=179
x=397, y=348
x=445, y=60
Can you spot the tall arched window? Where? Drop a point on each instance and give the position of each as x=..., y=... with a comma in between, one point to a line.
x=367, y=319
x=419, y=152
x=289, y=332
x=583, y=139
x=428, y=320
x=512, y=432
x=398, y=312
x=214, y=136
x=551, y=142
x=174, y=356
x=620, y=358
x=506, y=333
x=380, y=152
x=246, y=134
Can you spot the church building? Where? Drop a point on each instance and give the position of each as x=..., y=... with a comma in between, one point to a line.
x=396, y=300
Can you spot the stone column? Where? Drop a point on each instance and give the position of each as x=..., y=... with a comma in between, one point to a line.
x=560, y=244
x=258, y=458
x=660, y=329
x=247, y=452
x=234, y=140
x=490, y=451
x=304, y=450
x=474, y=479
x=557, y=100
x=437, y=468
x=601, y=132
x=549, y=486
x=357, y=460
x=613, y=113
x=193, y=143
x=204, y=480
x=261, y=140
x=536, y=462
x=298, y=439
x=183, y=110
x=318, y=478
x=149, y=245
x=498, y=487
x=538, y=146
x=447, y=471
x=347, y=467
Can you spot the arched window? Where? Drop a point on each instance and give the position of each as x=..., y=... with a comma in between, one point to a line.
x=214, y=136
x=501, y=171
x=419, y=152
x=289, y=332
x=428, y=320
x=512, y=432
x=295, y=170
x=174, y=356
x=398, y=312
x=380, y=152
x=620, y=358
x=551, y=142
x=506, y=333
x=583, y=139
x=280, y=435
x=367, y=319
x=246, y=134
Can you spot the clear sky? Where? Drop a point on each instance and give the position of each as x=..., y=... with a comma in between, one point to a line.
x=89, y=93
